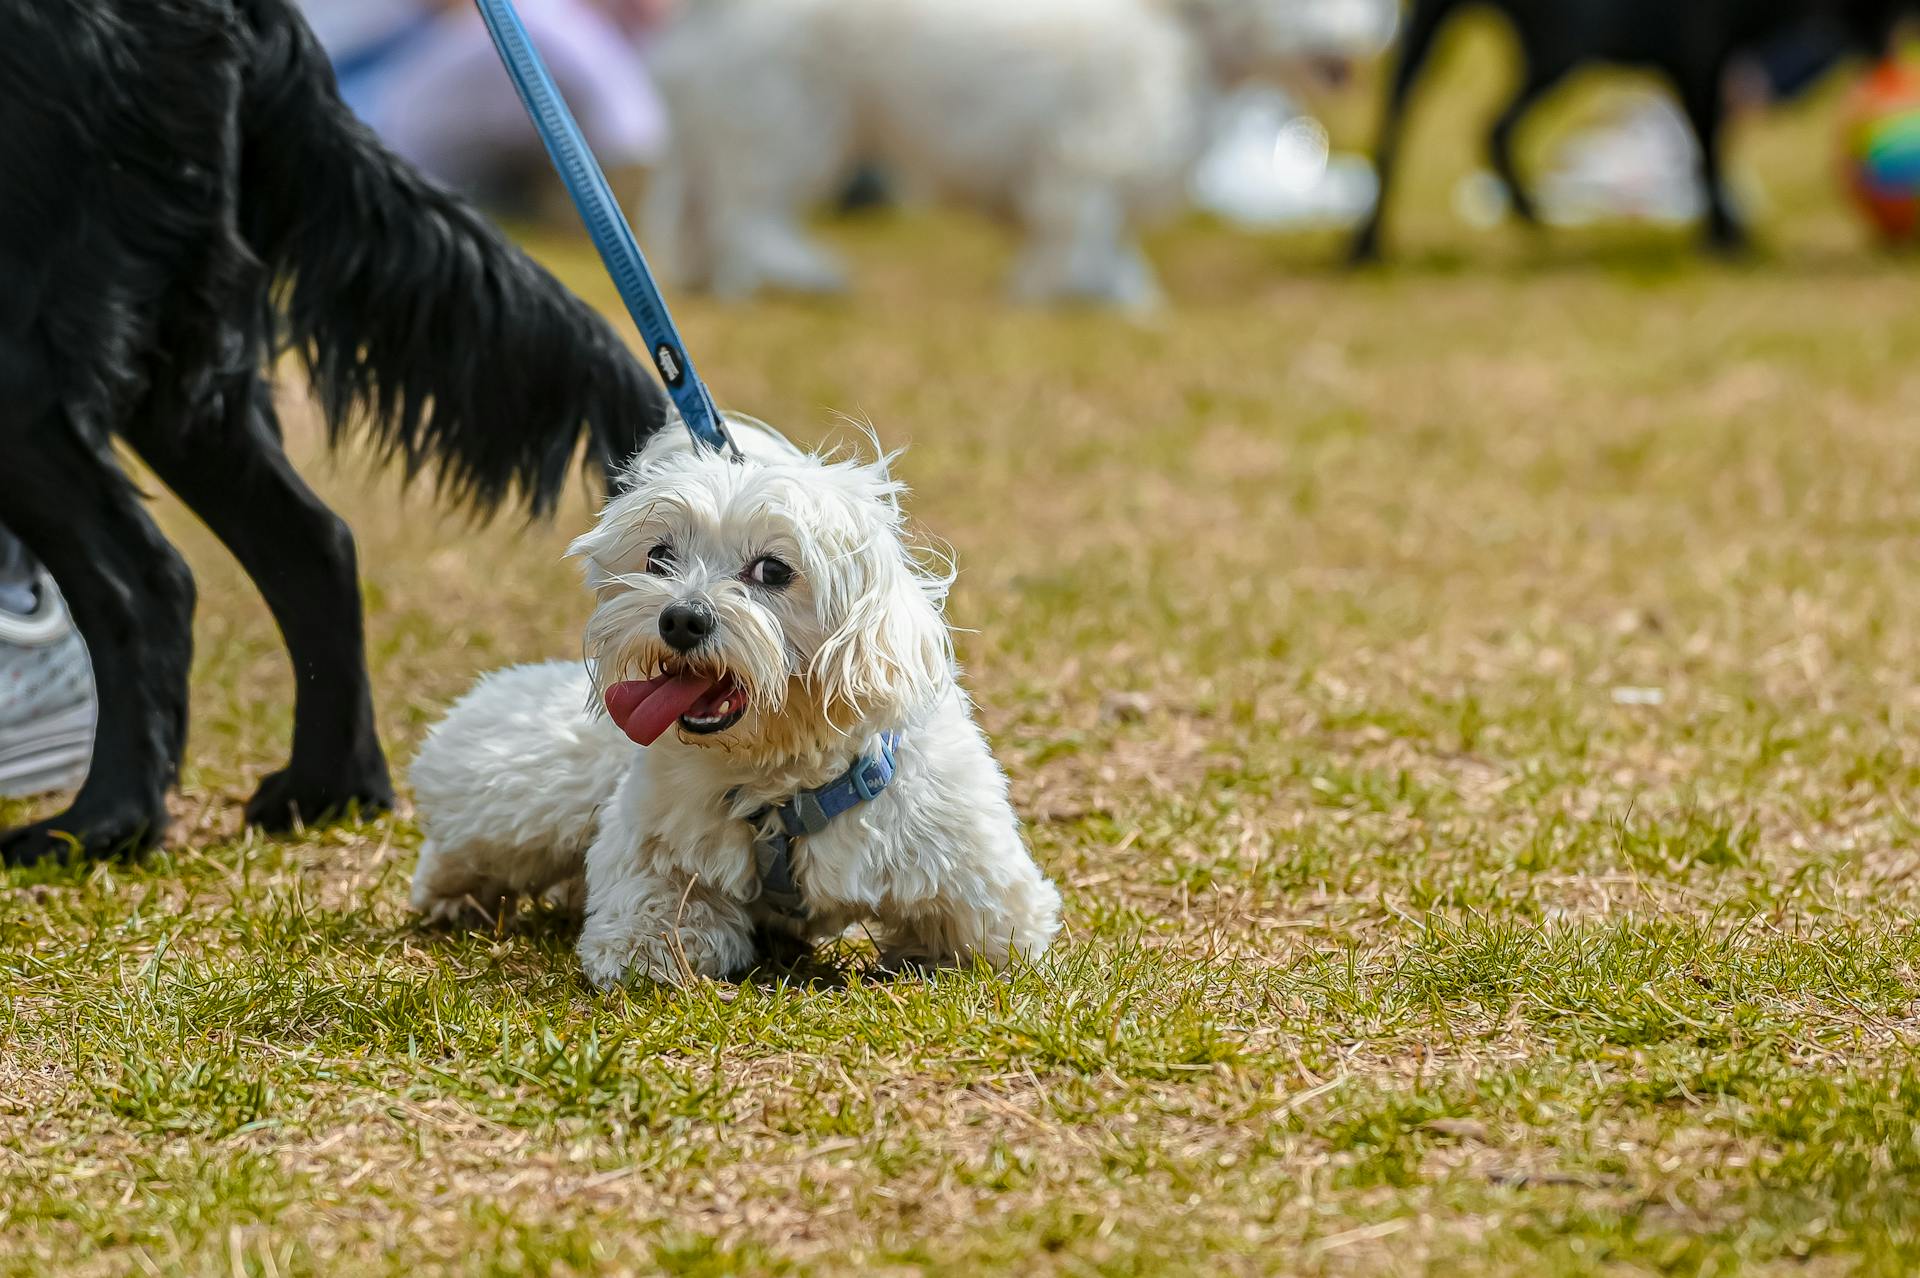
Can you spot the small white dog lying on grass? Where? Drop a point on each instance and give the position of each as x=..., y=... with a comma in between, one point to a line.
x=1074, y=119
x=808, y=759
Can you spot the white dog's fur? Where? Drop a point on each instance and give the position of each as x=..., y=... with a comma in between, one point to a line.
x=1075, y=119
x=527, y=788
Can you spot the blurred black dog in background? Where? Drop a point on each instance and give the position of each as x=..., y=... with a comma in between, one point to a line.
x=1691, y=42
x=185, y=197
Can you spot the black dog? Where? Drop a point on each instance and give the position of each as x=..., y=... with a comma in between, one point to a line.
x=186, y=196
x=1689, y=41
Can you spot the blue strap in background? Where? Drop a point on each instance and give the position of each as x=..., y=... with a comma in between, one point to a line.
x=605, y=223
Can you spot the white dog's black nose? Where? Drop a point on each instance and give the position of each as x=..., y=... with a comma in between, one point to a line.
x=686, y=625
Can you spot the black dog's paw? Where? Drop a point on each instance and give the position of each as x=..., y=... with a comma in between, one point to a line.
x=1365, y=250
x=84, y=835
x=1729, y=240
x=288, y=799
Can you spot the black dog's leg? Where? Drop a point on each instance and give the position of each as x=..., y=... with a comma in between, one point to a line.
x=132, y=598
x=1500, y=138
x=1422, y=26
x=238, y=481
x=1700, y=95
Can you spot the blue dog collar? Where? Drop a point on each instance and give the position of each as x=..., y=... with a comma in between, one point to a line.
x=779, y=825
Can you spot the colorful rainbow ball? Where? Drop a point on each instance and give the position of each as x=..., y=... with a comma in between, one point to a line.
x=1882, y=150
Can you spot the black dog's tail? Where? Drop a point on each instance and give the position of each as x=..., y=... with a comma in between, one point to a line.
x=415, y=316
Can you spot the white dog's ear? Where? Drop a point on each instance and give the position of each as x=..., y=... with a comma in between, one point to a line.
x=625, y=526
x=888, y=654
x=589, y=548
x=890, y=657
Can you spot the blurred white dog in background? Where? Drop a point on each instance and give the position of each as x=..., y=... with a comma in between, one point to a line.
x=1074, y=119
x=786, y=745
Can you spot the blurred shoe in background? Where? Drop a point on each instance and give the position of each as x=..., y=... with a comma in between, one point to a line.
x=424, y=75
x=1270, y=165
x=46, y=683
x=1640, y=163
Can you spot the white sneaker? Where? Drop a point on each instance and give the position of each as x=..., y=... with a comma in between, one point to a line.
x=46, y=699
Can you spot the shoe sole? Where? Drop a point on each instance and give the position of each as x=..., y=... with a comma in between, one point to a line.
x=50, y=753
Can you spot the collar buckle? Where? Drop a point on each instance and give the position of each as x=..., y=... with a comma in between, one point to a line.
x=802, y=814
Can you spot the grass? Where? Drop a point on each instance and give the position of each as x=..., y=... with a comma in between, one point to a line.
x=1469, y=708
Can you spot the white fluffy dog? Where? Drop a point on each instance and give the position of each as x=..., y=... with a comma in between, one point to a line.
x=1075, y=119
x=811, y=760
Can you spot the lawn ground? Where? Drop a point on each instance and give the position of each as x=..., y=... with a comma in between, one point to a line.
x=1470, y=709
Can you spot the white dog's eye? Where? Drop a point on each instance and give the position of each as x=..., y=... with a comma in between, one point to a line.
x=660, y=559
x=767, y=571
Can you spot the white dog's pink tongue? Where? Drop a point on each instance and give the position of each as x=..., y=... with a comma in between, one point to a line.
x=645, y=708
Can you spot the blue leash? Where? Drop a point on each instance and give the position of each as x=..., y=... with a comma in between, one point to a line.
x=605, y=223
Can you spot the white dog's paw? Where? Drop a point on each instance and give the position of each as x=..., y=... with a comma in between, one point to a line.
x=569, y=896
x=610, y=962
x=468, y=909
x=446, y=892
x=912, y=961
x=662, y=953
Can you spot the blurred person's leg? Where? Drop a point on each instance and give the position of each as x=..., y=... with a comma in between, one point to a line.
x=365, y=37
x=441, y=99
x=46, y=688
